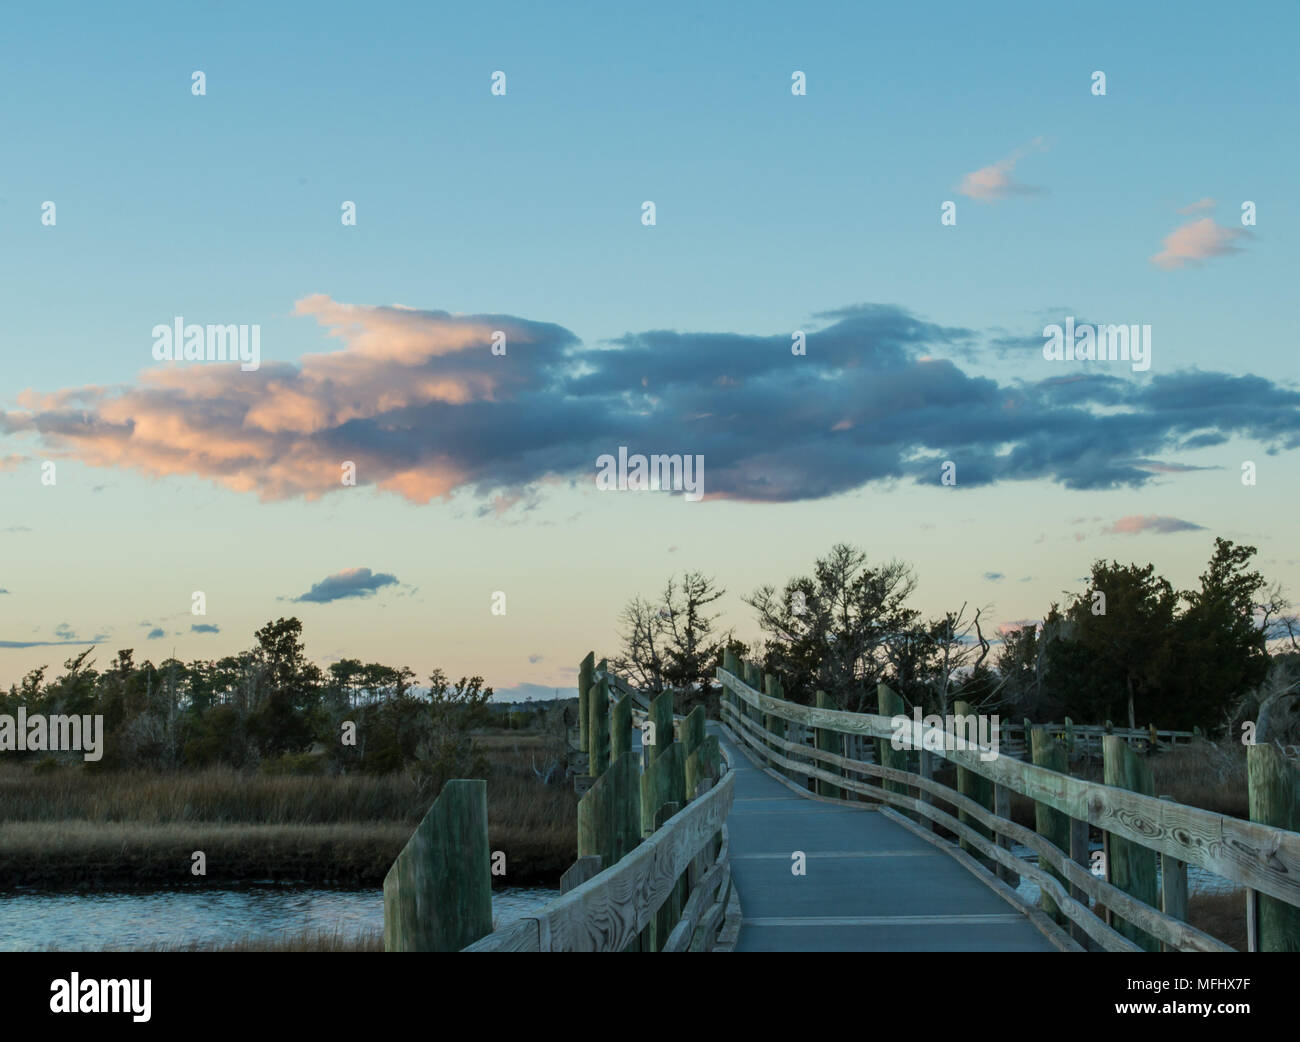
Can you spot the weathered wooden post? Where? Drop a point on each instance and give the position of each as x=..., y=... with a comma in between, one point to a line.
x=664, y=781
x=828, y=740
x=663, y=793
x=772, y=723
x=660, y=717
x=705, y=761
x=1080, y=854
x=609, y=815
x=969, y=784
x=890, y=704
x=620, y=728
x=598, y=725
x=754, y=679
x=1002, y=808
x=732, y=665
x=438, y=894
x=1173, y=889
x=692, y=731
x=1274, y=786
x=586, y=672
x=1130, y=866
x=1069, y=737
x=1050, y=823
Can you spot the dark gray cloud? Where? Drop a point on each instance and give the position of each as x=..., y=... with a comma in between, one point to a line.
x=418, y=401
x=354, y=582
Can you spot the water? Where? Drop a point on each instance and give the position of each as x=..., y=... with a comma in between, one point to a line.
x=32, y=921
x=1199, y=881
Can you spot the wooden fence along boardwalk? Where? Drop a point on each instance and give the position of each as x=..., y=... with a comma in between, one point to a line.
x=800, y=828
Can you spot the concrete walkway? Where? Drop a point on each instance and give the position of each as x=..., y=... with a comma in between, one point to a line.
x=870, y=885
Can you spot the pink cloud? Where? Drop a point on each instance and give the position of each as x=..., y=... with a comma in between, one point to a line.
x=1197, y=241
x=1201, y=204
x=991, y=183
x=1137, y=523
x=286, y=429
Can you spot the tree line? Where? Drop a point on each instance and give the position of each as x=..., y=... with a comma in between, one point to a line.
x=272, y=708
x=1128, y=647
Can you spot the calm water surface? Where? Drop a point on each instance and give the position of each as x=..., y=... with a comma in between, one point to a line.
x=31, y=921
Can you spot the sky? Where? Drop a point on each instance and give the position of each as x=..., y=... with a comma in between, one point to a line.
x=775, y=212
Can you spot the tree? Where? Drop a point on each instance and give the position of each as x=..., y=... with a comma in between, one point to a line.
x=1222, y=649
x=1112, y=651
x=692, y=648
x=836, y=630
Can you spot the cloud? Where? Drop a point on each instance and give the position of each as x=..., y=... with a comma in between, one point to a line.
x=155, y=633
x=351, y=582
x=1201, y=204
x=203, y=627
x=1136, y=523
x=991, y=183
x=535, y=658
x=994, y=577
x=1197, y=241
x=434, y=413
x=64, y=632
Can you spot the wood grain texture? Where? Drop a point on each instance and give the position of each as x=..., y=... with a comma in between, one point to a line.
x=438, y=894
x=1254, y=855
x=1182, y=936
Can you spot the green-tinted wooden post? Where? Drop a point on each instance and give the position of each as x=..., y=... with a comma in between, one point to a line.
x=671, y=910
x=620, y=728
x=663, y=792
x=828, y=741
x=609, y=814
x=598, y=727
x=661, y=726
x=586, y=672
x=692, y=732
x=732, y=665
x=970, y=784
x=664, y=781
x=1274, y=786
x=890, y=704
x=704, y=765
x=704, y=762
x=438, y=894
x=754, y=679
x=1069, y=737
x=1151, y=732
x=1173, y=889
x=1049, y=823
x=1028, y=754
x=1130, y=866
x=772, y=723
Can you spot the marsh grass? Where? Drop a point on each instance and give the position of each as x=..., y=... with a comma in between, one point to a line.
x=72, y=826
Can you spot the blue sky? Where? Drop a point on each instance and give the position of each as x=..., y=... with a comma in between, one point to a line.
x=772, y=210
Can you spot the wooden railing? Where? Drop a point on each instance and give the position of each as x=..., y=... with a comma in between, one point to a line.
x=653, y=870
x=1120, y=909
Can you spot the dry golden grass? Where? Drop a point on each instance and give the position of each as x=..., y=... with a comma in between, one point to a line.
x=139, y=828
x=1222, y=916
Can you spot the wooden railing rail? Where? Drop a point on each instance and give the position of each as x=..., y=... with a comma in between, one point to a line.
x=1263, y=858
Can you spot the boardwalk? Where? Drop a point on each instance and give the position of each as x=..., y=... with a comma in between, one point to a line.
x=870, y=886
